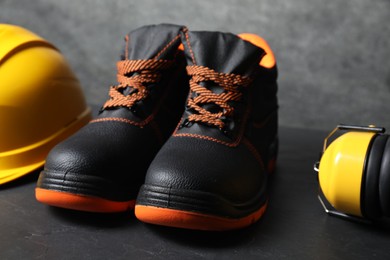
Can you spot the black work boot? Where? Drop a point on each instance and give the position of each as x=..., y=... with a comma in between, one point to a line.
x=211, y=174
x=101, y=167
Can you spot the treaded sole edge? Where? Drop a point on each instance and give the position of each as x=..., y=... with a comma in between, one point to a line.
x=81, y=202
x=194, y=220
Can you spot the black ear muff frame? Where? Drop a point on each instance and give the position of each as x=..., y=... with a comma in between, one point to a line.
x=354, y=173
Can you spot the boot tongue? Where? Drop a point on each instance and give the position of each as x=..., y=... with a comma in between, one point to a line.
x=149, y=42
x=222, y=52
x=152, y=42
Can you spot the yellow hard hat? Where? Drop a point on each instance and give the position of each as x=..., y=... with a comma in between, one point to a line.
x=41, y=101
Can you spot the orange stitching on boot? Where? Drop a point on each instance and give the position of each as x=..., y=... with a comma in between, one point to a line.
x=254, y=151
x=157, y=131
x=167, y=46
x=205, y=137
x=147, y=72
x=123, y=120
x=230, y=83
x=265, y=121
x=189, y=46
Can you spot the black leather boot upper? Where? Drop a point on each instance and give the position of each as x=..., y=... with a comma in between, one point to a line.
x=216, y=161
x=109, y=157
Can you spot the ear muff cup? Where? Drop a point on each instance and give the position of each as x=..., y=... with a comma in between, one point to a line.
x=384, y=181
x=370, y=200
x=376, y=189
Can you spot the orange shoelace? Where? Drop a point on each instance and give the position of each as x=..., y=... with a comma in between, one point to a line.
x=231, y=84
x=143, y=72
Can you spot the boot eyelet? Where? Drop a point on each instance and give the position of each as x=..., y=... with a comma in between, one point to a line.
x=186, y=123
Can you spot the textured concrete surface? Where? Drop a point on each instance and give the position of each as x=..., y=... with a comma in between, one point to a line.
x=333, y=56
x=293, y=227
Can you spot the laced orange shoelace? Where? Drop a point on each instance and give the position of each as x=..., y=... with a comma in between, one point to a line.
x=230, y=83
x=147, y=71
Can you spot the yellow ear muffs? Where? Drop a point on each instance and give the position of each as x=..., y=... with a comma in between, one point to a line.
x=352, y=171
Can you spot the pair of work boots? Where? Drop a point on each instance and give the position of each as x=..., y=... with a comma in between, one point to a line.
x=187, y=137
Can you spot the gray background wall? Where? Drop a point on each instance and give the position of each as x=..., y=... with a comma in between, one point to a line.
x=333, y=56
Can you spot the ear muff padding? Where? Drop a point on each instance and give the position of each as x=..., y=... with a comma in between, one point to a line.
x=384, y=181
x=370, y=202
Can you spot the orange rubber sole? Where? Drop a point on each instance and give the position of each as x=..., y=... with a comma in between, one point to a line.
x=194, y=220
x=81, y=202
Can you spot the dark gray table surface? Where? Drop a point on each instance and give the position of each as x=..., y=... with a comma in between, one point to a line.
x=294, y=226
